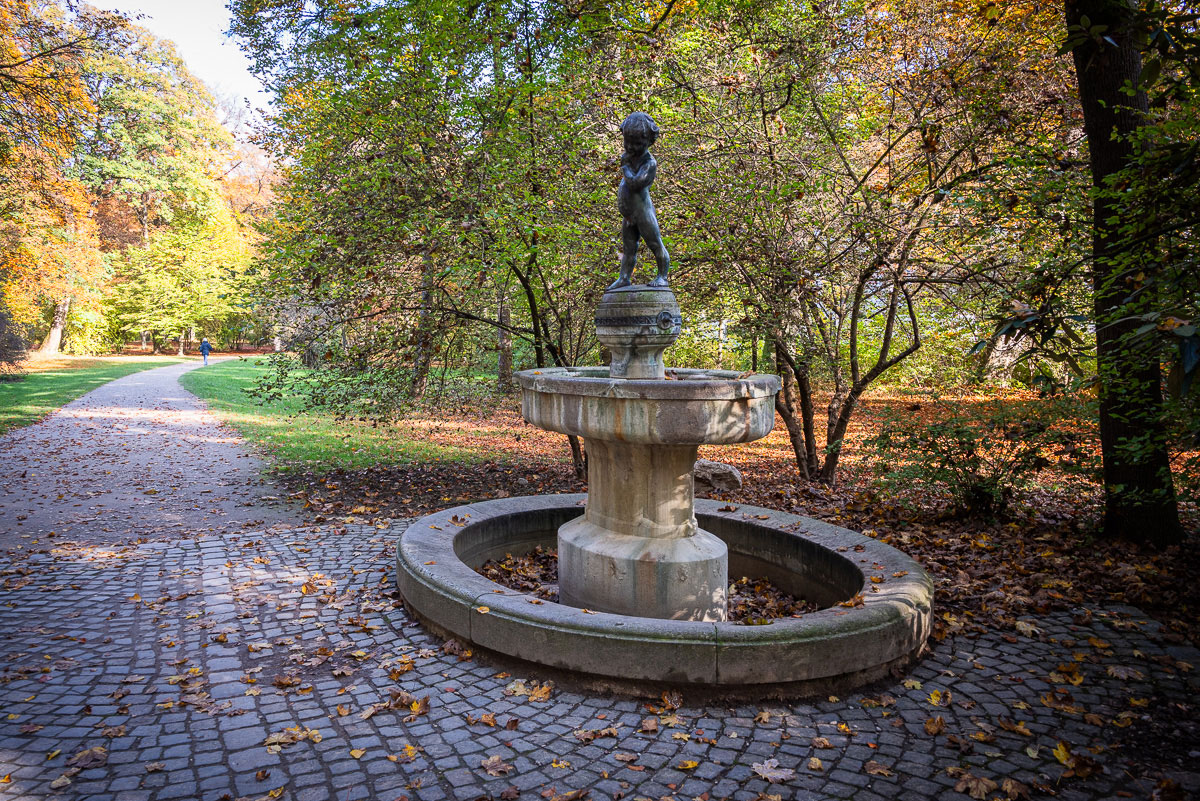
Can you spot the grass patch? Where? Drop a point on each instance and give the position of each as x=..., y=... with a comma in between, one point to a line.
x=297, y=440
x=49, y=384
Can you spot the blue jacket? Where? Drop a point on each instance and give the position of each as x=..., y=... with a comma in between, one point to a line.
x=205, y=348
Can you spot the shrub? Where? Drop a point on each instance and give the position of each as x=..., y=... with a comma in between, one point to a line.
x=981, y=453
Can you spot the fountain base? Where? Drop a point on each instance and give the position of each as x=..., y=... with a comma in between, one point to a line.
x=677, y=578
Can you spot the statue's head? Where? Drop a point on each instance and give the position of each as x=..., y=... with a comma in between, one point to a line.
x=639, y=127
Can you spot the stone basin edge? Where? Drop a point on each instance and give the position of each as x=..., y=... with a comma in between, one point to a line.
x=692, y=384
x=834, y=647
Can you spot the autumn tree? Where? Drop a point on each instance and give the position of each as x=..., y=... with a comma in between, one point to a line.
x=48, y=247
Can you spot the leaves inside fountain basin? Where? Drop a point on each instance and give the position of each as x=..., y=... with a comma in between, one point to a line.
x=752, y=601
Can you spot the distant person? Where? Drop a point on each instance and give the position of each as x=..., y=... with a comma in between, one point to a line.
x=205, y=349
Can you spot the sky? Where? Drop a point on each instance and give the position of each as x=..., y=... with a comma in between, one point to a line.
x=198, y=29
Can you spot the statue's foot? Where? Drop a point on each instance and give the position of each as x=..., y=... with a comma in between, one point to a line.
x=660, y=280
x=620, y=282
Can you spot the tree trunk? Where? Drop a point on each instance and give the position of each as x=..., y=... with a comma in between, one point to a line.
x=1140, y=500
x=145, y=341
x=837, y=433
x=154, y=347
x=785, y=404
x=182, y=342
x=983, y=361
x=422, y=342
x=504, y=365
x=53, y=340
x=578, y=456
x=797, y=391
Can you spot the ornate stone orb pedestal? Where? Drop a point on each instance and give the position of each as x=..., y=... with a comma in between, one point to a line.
x=637, y=323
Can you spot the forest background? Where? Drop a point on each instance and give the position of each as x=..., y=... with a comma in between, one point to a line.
x=859, y=195
x=127, y=191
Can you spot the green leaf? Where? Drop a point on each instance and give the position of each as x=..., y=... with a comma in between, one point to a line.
x=1150, y=72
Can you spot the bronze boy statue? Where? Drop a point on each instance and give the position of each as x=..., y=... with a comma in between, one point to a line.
x=633, y=199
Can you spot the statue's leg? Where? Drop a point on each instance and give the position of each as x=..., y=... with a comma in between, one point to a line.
x=650, y=232
x=629, y=242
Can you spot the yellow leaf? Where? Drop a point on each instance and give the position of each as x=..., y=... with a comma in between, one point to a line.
x=815, y=764
x=1062, y=752
x=483, y=610
x=357, y=752
x=688, y=764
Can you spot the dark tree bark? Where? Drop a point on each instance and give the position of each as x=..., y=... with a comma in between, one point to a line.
x=1140, y=500
x=422, y=341
x=504, y=363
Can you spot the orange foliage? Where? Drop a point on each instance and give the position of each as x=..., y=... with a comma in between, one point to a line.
x=48, y=244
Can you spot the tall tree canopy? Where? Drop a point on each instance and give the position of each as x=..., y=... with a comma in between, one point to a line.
x=841, y=184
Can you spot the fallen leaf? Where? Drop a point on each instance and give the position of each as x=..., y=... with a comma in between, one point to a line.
x=154, y=767
x=977, y=787
x=495, y=766
x=815, y=764
x=771, y=771
x=90, y=758
x=876, y=769
x=1125, y=673
x=1014, y=789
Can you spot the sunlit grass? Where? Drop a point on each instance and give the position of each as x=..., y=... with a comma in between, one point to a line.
x=296, y=440
x=48, y=384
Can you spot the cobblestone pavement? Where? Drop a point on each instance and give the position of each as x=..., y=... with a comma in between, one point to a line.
x=137, y=457
x=280, y=666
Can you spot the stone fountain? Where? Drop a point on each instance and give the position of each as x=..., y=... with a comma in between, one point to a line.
x=637, y=549
x=643, y=567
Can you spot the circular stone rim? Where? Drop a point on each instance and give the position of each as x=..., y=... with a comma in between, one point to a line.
x=689, y=384
x=829, y=649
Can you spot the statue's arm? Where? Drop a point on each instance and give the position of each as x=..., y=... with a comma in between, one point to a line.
x=644, y=176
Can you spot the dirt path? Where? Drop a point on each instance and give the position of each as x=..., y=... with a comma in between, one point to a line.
x=137, y=457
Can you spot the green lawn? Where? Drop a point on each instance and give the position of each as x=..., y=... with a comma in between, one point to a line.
x=296, y=440
x=40, y=391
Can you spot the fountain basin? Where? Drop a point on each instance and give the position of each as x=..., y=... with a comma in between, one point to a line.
x=825, y=651
x=690, y=407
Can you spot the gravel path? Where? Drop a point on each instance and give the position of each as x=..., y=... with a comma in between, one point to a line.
x=241, y=663
x=137, y=457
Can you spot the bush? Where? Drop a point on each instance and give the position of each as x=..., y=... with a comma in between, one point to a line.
x=89, y=333
x=981, y=453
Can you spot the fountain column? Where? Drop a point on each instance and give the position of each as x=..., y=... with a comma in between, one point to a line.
x=637, y=550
